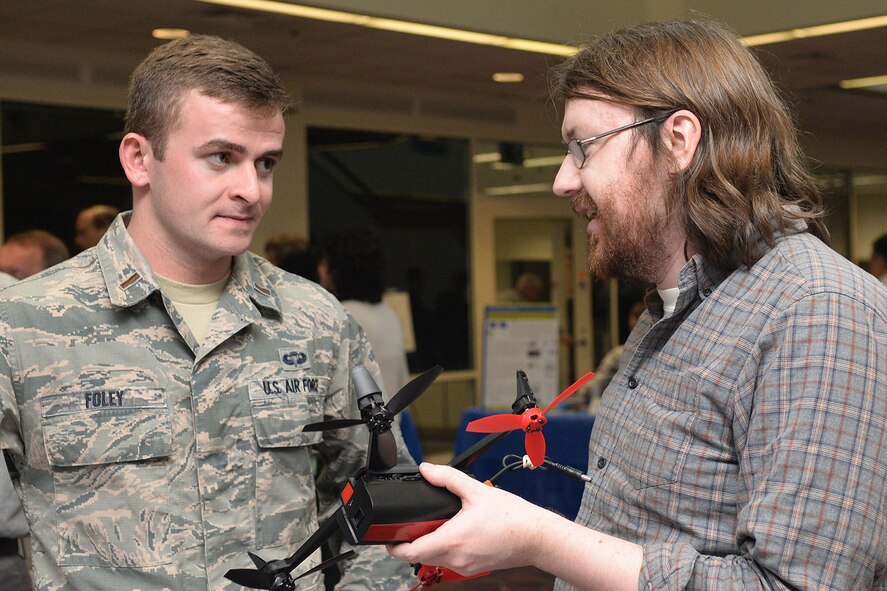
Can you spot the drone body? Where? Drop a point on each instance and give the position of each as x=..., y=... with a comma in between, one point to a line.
x=398, y=508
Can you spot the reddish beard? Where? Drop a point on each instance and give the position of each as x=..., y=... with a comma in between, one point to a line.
x=629, y=245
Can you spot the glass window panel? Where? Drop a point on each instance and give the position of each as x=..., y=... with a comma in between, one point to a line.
x=56, y=161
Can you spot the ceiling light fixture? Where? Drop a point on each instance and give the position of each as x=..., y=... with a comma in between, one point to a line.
x=533, y=162
x=517, y=189
x=167, y=33
x=816, y=31
x=487, y=157
x=868, y=82
x=508, y=77
x=399, y=26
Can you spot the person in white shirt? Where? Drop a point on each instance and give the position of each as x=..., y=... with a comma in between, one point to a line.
x=878, y=260
x=352, y=267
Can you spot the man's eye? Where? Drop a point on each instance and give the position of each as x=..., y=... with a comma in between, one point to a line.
x=219, y=158
x=266, y=165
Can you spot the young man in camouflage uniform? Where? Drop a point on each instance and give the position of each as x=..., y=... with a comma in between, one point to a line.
x=153, y=389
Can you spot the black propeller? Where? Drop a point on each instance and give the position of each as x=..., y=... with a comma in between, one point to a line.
x=377, y=415
x=275, y=575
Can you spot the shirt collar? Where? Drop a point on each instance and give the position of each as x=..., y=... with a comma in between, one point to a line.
x=129, y=278
x=697, y=281
x=699, y=278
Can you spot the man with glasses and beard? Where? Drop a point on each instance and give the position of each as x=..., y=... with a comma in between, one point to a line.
x=741, y=444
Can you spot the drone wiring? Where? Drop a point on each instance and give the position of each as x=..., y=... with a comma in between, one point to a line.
x=510, y=462
x=513, y=462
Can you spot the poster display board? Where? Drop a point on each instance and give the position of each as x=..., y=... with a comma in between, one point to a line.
x=519, y=337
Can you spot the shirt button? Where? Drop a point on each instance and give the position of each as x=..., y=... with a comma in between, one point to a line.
x=632, y=382
x=706, y=292
x=601, y=462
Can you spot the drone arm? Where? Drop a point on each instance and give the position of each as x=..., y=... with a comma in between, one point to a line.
x=467, y=457
x=323, y=533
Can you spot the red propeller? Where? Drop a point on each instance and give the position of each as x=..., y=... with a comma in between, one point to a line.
x=432, y=575
x=530, y=421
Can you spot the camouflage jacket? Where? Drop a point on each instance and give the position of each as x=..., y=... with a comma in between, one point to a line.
x=148, y=461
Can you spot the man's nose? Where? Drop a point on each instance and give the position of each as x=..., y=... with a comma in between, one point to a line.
x=567, y=181
x=248, y=185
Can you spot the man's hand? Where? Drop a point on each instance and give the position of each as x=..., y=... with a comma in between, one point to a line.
x=492, y=531
x=497, y=530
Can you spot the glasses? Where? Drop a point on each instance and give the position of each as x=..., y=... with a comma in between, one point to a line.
x=575, y=148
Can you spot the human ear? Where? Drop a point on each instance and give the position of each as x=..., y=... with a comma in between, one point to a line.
x=135, y=157
x=681, y=134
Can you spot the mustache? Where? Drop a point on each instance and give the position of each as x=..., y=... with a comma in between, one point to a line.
x=583, y=201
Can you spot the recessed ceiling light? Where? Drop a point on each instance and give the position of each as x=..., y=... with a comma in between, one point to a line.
x=167, y=33
x=508, y=77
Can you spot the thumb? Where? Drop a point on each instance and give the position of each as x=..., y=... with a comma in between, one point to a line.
x=455, y=481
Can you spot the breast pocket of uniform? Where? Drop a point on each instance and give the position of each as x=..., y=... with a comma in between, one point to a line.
x=282, y=403
x=107, y=435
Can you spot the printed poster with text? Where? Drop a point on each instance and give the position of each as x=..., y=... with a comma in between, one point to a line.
x=520, y=337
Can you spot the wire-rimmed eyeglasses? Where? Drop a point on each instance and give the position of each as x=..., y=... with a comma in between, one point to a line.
x=575, y=148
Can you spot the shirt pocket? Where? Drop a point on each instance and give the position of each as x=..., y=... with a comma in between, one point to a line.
x=281, y=405
x=652, y=433
x=108, y=449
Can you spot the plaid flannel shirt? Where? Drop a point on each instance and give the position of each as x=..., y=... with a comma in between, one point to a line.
x=743, y=442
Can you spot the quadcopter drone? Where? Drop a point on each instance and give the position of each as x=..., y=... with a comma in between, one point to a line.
x=387, y=502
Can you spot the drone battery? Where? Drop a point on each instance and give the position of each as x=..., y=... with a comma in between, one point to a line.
x=390, y=509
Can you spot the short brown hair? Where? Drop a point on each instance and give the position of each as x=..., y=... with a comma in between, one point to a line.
x=747, y=179
x=217, y=68
x=100, y=216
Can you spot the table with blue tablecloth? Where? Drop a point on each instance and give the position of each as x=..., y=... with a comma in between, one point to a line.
x=566, y=439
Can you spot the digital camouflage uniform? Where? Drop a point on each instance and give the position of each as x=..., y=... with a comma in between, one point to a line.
x=151, y=462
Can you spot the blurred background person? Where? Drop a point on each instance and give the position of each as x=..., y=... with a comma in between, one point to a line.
x=301, y=261
x=280, y=245
x=27, y=253
x=352, y=267
x=14, y=570
x=92, y=223
x=878, y=261
x=528, y=287
x=609, y=365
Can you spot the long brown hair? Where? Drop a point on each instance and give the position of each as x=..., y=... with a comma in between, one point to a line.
x=747, y=180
